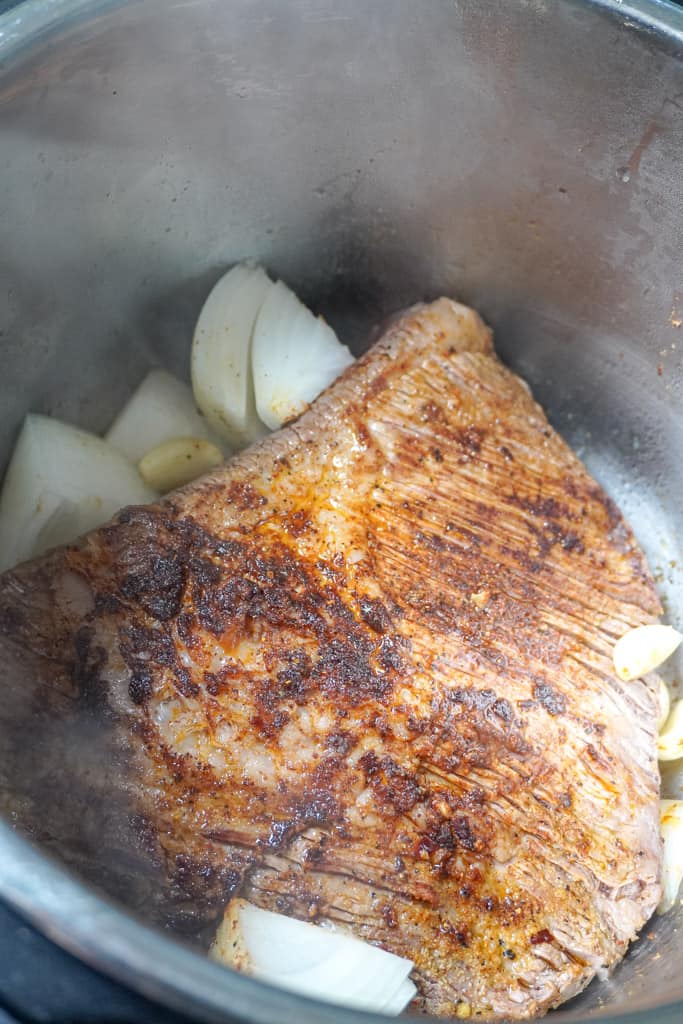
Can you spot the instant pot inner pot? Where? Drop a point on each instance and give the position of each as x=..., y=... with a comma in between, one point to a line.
x=523, y=157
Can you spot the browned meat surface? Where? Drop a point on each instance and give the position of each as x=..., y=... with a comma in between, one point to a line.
x=362, y=673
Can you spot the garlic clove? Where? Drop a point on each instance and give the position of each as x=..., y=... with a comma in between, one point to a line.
x=643, y=649
x=161, y=408
x=670, y=742
x=177, y=462
x=672, y=865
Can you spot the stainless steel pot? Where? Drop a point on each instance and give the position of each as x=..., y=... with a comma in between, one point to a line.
x=522, y=155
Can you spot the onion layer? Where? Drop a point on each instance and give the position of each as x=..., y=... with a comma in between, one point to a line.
x=221, y=354
x=314, y=961
x=295, y=356
x=61, y=482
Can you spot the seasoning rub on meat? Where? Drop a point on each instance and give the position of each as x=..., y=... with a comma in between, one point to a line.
x=362, y=673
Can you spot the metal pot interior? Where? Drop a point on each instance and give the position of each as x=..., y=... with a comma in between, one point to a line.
x=524, y=157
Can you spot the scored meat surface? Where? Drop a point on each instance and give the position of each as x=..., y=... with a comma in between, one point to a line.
x=362, y=673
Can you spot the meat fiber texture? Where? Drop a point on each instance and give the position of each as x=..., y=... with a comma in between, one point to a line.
x=361, y=674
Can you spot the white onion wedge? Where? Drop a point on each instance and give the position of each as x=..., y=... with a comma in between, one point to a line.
x=312, y=961
x=162, y=408
x=672, y=867
x=61, y=482
x=644, y=649
x=221, y=354
x=177, y=462
x=670, y=742
x=404, y=995
x=295, y=356
x=59, y=528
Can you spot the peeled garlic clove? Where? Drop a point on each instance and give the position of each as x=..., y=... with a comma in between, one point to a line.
x=177, y=462
x=160, y=409
x=664, y=698
x=672, y=865
x=643, y=649
x=670, y=742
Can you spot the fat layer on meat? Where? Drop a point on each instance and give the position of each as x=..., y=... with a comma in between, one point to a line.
x=361, y=674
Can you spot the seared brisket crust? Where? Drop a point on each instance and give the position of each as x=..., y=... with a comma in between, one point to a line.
x=362, y=673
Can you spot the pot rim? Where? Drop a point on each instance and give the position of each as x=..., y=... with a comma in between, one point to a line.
x=88, y=925
x=24, y=21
